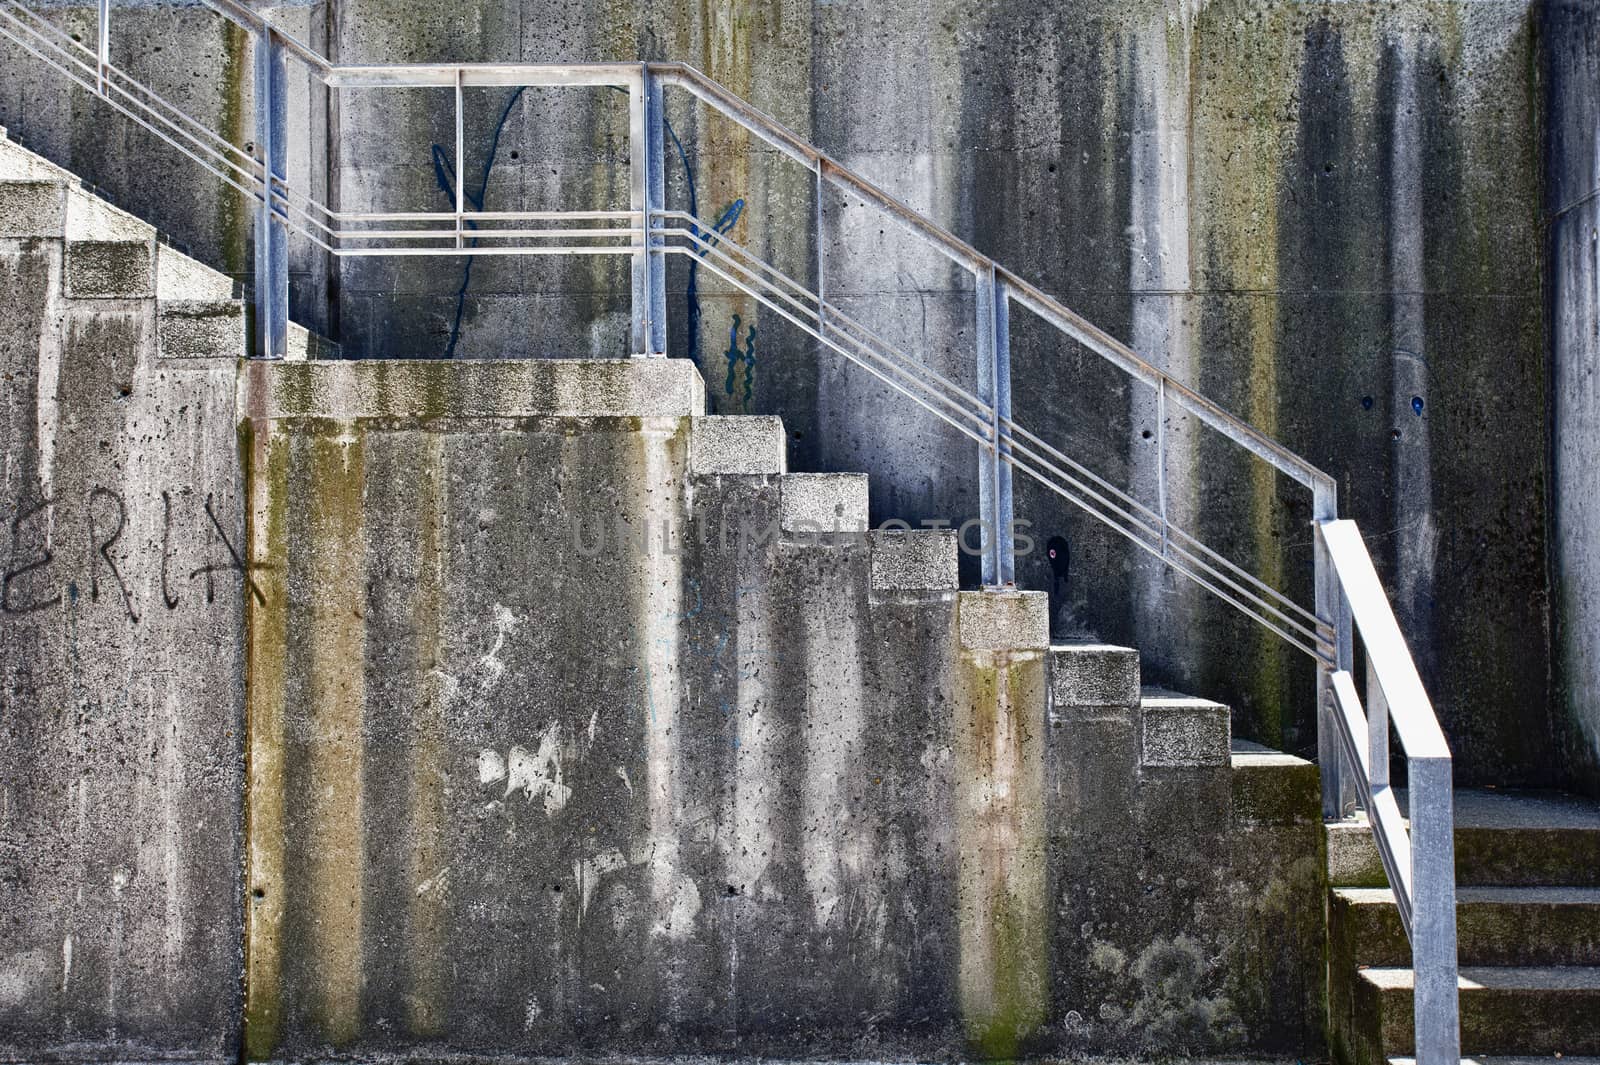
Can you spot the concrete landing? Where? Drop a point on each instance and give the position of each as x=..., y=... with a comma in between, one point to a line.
x=494, y=388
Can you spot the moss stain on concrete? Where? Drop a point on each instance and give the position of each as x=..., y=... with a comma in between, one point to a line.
x=266, y=668
x=332, y=486
x=233, y=217
x=1003, y=928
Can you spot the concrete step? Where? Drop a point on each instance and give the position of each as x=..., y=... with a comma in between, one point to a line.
x=111, y=254
x=1510, y=1010
x=1181, y=731
x=1494, y=926
x=1482, y=1059
x=738, y=445
x=815, y=504
x=1508, y=839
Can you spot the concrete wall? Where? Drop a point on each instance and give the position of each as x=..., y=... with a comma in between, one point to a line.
x=1326, y=215
x=1571, y=57
x=121, y=666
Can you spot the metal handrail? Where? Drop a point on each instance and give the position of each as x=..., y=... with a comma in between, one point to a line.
x=1349, y=598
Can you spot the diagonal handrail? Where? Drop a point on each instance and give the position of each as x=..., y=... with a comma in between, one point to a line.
x=1350, y=601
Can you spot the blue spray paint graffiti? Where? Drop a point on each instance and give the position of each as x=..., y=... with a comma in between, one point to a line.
x=747, y=359
x=725, y=221
x=444, y=173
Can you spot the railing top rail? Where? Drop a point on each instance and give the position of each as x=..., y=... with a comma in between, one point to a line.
x=1409, y=706
x=1065, y=319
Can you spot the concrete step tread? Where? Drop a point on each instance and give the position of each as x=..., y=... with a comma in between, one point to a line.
x=1558, y=978
x=1483, y=808
x=1487, y=1059
x=1151, y=695
x=1485, y=896
x=1510, y=838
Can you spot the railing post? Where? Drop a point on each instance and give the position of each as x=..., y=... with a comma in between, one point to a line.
x=103, y=46
x=272, y=237
x=461, y=163
x=994, y=389
x=1377, y=705
x=647, y=195
x=1436, y=999
x=1331, y=607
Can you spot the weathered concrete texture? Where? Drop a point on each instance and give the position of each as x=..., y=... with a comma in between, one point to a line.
x=914, y=560
x=1177, y=730
x=738, y=445
x=679, y=800
x=594, y=388
x=823, y=503
x=121, y=702
x=1187, y=896
x=1571, y=55
x=1001, y=819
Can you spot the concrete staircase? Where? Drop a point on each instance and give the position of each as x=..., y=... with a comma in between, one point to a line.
x=108, y=254
x=1528, y=913
x=792, y=795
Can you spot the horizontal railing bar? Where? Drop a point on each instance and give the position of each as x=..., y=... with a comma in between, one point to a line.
x=485, y=234
x=830, y=315
x=906, y=371
x=474, y=75
x=1409, y=707
x=452, y=251
x=1153, y=535
x=486, y=216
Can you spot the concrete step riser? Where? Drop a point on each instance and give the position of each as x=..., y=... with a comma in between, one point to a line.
x=1493, y=1021
x=1498, y=857
x=1488, y=933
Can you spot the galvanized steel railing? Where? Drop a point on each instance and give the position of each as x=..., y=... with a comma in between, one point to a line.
x=1417, y=858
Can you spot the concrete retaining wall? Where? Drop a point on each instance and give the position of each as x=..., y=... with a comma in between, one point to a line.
x=121, y=676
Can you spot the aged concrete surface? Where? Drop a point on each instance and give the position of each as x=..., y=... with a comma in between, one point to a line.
x=1325, y=214
x=1187, y=897
x=680, y=779
x=121, y=672
x=1572, y=69
x=674, y=779
x=1001, y=818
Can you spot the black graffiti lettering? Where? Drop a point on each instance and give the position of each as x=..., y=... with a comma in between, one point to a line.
x=104, y=550
x=166, y=549
x=237, y=564
x=6, y=605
